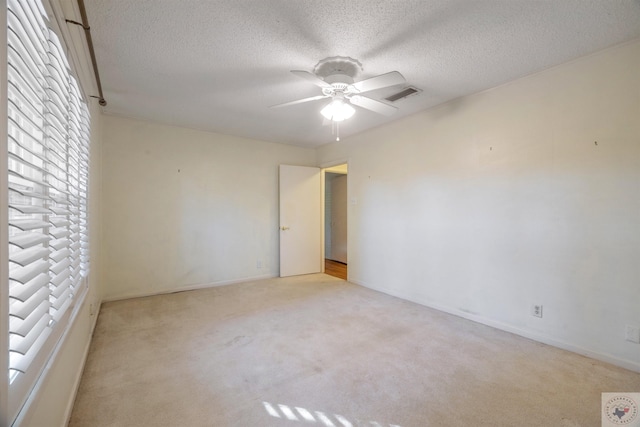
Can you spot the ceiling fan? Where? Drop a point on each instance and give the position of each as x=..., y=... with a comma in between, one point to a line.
x=335, y=76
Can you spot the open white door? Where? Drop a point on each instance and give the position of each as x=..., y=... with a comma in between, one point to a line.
x=300, y=220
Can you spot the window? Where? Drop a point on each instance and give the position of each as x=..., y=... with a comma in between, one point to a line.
x=48, y=173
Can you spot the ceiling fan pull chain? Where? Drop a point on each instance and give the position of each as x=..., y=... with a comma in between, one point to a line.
x=335, y=128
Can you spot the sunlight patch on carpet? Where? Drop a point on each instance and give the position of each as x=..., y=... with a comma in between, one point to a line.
x=300, y=414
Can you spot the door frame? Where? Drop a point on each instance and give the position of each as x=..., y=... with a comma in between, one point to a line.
x=323, y=167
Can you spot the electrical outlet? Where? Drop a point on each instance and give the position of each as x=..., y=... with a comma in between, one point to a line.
x=536, y=310
x=632, y=334
x=258, y=264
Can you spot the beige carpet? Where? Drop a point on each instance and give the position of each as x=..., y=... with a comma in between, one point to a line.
x=315, y=350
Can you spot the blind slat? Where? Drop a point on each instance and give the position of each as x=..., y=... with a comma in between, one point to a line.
x=20, y=344
x=66, y=284
x=60, y=277
x=65, y=303
x=24, y=292
x=57, y=268
x=28, y=239
x=22, y=327
x=59, y=211
x=28, y=224
x=60, y=254
x=59, y=233
x=58, y=243
x=27, y=178
x=21, y=363
x=22, y=310
x=28, y=272
x=27, y=256
x=24, y=162
x=26, y=192
x=62, y=300
x=59, y=222
x=29, y=209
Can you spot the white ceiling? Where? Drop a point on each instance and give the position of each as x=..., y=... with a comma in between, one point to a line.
x=218, y=65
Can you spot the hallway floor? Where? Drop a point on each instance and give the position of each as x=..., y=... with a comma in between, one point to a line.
x=335, y=269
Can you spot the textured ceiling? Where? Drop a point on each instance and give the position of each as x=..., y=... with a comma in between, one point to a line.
x=219, y=65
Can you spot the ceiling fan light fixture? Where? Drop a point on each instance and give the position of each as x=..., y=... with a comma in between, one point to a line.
x=337, y=110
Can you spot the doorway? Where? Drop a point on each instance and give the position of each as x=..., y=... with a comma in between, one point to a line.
x=335, y=221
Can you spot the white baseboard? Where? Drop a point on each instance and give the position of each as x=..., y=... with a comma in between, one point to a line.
x=608, y=358
x=150, y=293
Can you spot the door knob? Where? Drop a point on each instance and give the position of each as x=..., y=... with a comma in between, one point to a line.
x=283, y=228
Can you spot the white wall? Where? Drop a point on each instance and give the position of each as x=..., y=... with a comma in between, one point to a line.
x=185, y=209
x=497, y=201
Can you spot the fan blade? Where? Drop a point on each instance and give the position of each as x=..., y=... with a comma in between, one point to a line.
x=300, y=101
x=373, y=105
x=312, y=78
x=384, y=80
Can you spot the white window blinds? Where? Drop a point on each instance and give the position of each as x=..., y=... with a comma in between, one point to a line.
x=48, y=162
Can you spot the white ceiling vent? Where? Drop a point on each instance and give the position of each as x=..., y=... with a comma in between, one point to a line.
x=407, y=91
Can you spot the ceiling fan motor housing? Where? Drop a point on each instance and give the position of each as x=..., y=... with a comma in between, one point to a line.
x=344, y=66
